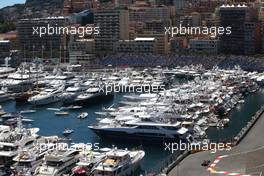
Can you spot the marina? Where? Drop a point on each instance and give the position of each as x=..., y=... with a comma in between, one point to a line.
x=131, y=88
x=188, y=104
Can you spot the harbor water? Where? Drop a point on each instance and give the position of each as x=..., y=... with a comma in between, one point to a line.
x=50, y=124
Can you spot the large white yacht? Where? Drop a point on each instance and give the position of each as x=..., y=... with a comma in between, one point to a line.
x=57, y=163
x=23, y=79
x=13, y=139
x=140, y=130
x=47, y=96
x=119, y=163
x=30, y=158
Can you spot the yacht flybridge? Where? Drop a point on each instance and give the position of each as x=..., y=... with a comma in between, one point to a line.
x=119, y=163
x=58, y=163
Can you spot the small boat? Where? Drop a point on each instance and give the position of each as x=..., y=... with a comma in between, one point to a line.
x=27, y=111
x=68, y=131
x=241, y=101
x=83, y=115
x=74, y=107
x=27, y=120
x=8, y=115
x=53, y=109
x=101, y=113
x=13, y=121
x=61, y=113
x=2, y=112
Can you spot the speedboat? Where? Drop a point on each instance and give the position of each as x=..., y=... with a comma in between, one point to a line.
x=68, y=131
x=61, y=113
x=83, y=115
x=72, y=107
x=27, y=111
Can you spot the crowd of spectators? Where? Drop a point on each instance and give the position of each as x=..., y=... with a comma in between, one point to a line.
x=249, y=63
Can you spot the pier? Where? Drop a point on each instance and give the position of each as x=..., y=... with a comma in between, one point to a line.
x=248, y=146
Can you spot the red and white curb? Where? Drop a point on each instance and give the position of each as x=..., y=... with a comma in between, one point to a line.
x=212, y=166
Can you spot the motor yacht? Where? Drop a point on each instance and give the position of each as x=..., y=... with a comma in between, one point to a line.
x=24, y=78
x=47, y=96
x=92, y=95
x=88, y=161
x=30, y=158
x=71, y=93
x=58, y=162
x=119, y=163
x=136, y=129
x=12, y=140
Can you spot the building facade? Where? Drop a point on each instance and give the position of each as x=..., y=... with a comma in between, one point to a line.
x=234, y=17
x=162, y=40
x=138, y=45
x=81, y=51
x=5, y=47
x=32, y=44
x=204, y=46
x=114, y=26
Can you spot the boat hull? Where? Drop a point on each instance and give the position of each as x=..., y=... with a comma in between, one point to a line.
x=4, y=98
x=45, y=101
x=94, y=99
x=134, y=137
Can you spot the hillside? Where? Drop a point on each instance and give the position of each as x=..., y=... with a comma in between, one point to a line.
x=32, y=8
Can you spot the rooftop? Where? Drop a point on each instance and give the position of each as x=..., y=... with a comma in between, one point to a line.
x=233, y=6
x=144, y=39
x=4, y=41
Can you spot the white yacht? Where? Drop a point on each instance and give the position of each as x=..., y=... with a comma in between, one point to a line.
x=88, y=161
x=30, y=158
x=23, y=79
x=47, y=96
x=141, y=97
x=92, y=94
x=140, y=130
x=12, y=140
x=71, y=93
x=119, y=163
x=58, y=163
